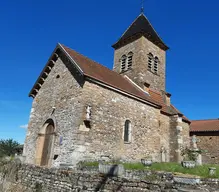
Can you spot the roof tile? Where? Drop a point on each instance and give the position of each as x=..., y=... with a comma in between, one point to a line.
x=102, y=74
x=204, y=125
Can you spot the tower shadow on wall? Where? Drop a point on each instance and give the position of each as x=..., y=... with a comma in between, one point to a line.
x=103, y=182
x=172, y=139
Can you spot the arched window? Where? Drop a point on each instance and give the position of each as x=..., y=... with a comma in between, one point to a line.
x=150, y=60
x=156, y=62
x=127, y=131
x=130, y=56
x=123, y=63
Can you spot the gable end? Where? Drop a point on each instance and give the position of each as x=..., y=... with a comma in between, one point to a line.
x=58, y=52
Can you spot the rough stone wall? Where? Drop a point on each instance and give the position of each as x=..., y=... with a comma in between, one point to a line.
x=140, y=73
x=185, y=134
x=151, y=130
x=209, y=142
x=35, y=179
x=64, y=94
x=26, y=178
x=179, y=137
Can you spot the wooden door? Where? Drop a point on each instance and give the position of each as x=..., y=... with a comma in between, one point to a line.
x=47, y=146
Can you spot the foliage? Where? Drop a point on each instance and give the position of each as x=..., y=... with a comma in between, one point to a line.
x=8, y=147
x=190, y=154
x=202, y=171
x=134, y=166
x=90, y=164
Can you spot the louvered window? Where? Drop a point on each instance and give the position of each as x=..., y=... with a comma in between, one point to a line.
x=123, y=63
x=156, y=62
x=130, y=57
x=150, y=61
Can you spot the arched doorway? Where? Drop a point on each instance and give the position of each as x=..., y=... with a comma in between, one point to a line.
x=45, y=142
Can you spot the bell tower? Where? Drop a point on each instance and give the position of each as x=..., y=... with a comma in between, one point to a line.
x=141, y=55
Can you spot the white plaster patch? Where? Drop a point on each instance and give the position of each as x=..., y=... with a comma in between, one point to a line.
x=83, y=128
x=179, y=128
x=115, y=100
x=179, y=119
x=180, y=141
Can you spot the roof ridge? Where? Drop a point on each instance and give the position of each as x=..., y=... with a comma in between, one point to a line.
x=128, y=28
x=92, y=60
x=153, y=28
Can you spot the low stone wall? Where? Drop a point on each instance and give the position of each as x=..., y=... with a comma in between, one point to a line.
x=28, y=178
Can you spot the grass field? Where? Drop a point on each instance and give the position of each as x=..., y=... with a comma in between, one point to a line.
x=176, y=168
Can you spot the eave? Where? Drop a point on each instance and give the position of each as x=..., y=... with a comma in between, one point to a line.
x=43, y=75
x=135, y=97
x=136, y=36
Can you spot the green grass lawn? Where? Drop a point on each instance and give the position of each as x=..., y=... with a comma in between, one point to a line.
x=176, y=168
x=201, y=171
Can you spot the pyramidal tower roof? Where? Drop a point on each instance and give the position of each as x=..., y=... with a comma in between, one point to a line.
x=140, y=27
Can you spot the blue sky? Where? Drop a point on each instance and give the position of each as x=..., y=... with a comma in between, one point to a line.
x=31, y=29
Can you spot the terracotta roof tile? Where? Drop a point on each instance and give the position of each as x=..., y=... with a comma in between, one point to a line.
x=204, y=125
x=157, y=96
x=102, y=74
x=184, y=117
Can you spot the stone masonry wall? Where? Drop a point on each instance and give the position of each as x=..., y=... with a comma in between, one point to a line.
x=209, y=142
x=179, y=137
x=27, y=178
x=151, y=131
x=62, y=92
x=140, y=73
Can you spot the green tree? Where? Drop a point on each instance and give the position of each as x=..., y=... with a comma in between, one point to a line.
x=8, y=147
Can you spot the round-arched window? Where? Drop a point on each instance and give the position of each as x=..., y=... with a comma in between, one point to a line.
x=127, y=131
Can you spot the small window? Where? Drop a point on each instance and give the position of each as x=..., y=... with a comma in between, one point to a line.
x=150, y=60
x=123, y=63
x=130, y=56
x=156, y=62
x=127, y=131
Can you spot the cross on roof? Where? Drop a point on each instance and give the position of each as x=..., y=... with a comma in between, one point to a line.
x=142, y=6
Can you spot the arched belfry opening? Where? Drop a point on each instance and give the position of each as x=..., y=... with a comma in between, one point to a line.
x=45, y=142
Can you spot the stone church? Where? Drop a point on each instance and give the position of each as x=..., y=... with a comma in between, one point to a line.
x=82, y=110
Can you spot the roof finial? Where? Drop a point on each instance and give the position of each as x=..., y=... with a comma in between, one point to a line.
x=142, y=6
